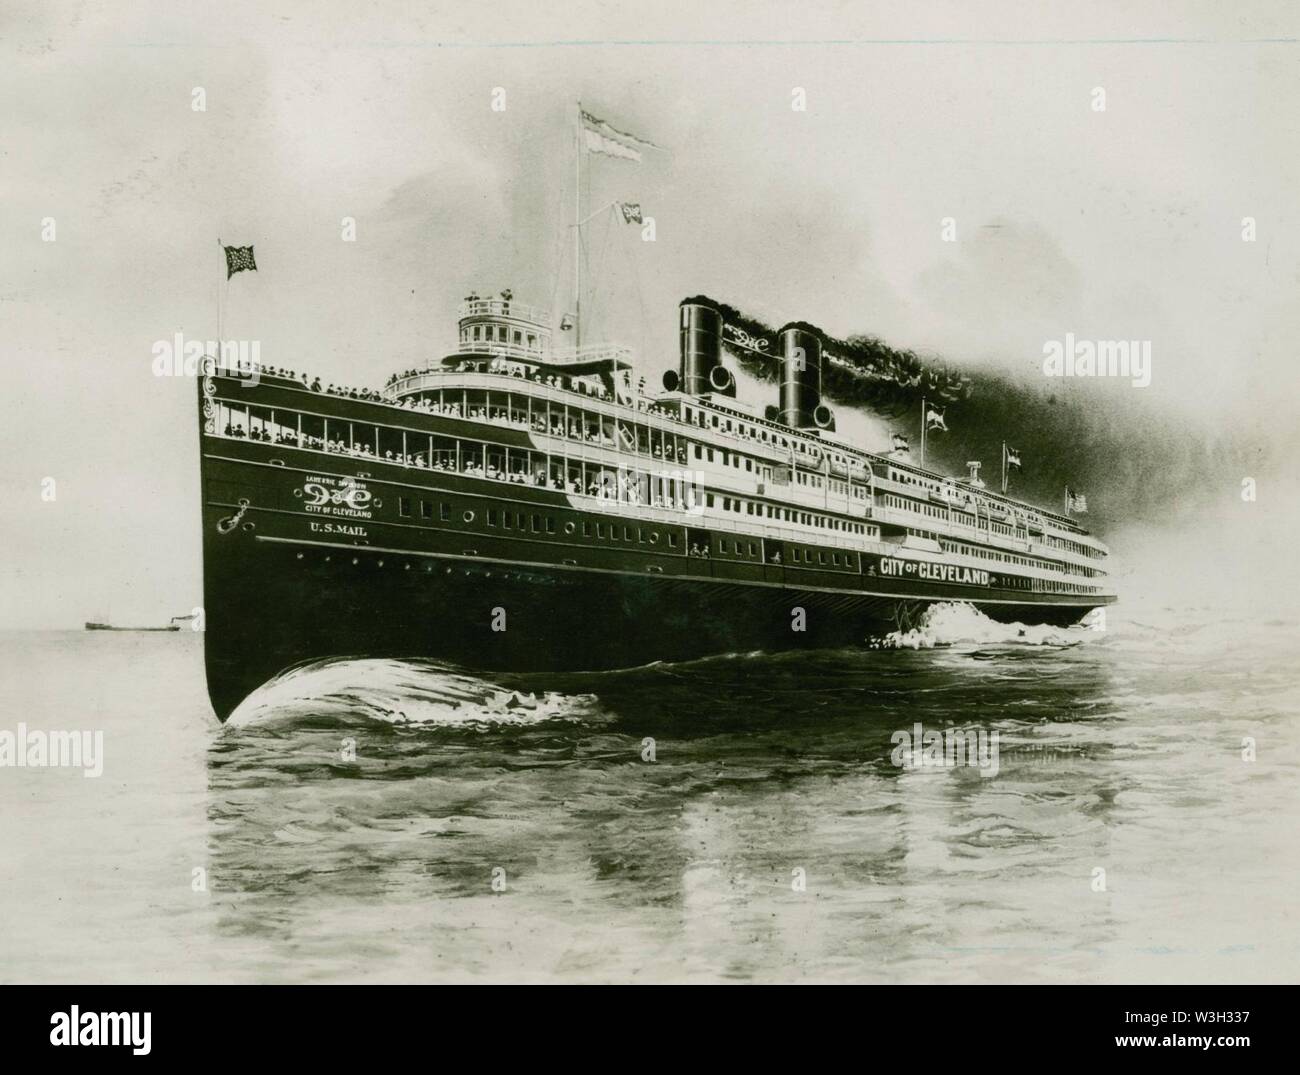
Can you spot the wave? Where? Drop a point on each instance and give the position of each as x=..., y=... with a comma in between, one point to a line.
x=401, y=692
x=957, y=623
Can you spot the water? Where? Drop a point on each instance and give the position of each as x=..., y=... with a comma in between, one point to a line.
x=1118, y=751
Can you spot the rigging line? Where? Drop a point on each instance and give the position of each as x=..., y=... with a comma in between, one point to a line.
x=598, y=312
x=606, y=259
x=594, y=262
x=640, y=298
x=558, y=258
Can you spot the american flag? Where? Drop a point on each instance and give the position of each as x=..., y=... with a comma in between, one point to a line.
x=239, y=258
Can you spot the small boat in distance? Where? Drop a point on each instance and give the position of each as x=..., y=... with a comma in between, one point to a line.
x=93, y=625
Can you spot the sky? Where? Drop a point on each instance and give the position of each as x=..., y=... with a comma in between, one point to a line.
x=1125, y=223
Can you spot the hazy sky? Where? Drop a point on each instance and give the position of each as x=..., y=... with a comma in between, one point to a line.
x=1121, y=224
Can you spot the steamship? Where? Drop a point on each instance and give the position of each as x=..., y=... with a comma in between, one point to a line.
x=520, y=506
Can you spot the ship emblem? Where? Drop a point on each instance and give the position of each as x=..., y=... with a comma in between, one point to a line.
x=349, y=495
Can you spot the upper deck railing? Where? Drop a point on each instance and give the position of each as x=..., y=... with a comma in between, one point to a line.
x=595, y=352
x=499, y=307
x=499, y=350
x=558, y=356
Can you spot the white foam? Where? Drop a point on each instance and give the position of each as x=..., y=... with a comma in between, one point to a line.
x=400, y=692
x=954, y=623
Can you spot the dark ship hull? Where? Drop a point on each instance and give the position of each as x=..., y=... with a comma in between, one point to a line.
x=282, y=586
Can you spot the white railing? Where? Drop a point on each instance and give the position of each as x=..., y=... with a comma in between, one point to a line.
x=499, y=307
x=596, y=352
x=559, y=356
x=500, y=350
x=449, y=379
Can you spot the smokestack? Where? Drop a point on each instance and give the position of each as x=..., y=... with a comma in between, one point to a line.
x=701, y=370
x=801, y=378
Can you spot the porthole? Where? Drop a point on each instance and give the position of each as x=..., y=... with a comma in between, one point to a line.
x=569, y=528
x=468, y=516
x=297, y=493
x=654, y=537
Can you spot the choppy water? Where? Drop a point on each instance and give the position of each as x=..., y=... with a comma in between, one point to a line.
x=1119, y=751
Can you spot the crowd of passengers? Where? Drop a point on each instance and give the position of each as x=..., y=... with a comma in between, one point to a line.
x=557, y=428
x=568, y=384
x=471, y=467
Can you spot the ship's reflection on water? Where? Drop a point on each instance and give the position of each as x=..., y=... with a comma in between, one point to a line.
x=735, y=818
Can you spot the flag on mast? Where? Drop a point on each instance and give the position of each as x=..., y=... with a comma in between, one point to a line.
x=1013, y=458
x=934, y=419
x=900, y=443
x=631, y=212
x=1075, y=501
x=239, y=259
x=602, y=137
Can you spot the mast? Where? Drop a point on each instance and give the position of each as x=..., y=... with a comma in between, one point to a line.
x=923, y=425
x=577, y=227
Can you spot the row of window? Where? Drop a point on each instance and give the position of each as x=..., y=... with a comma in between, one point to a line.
x=665, y=489
x=1072, y=546
x=1066, y=544
x=793, y=515
x=764, y=433
x=809, y=479
x=903, y=504
x=571, y=421
x=1043, y=586
x=540, y=523
x=499, y=334
x=985, y=552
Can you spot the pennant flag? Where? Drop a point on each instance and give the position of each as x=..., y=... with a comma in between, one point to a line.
x=1075, y=501
x=1013, y=458
x=239, y=258
x=631, y=212
x=900, y=443
x=601, y=137
x=934, y=420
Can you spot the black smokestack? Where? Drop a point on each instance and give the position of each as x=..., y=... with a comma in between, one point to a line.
x=801, y=378
x=701, y=370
